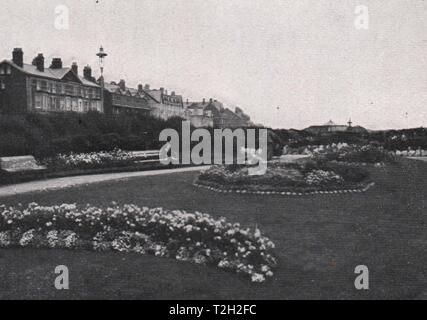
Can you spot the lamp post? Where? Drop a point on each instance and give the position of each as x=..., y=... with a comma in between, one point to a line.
x=101, y=55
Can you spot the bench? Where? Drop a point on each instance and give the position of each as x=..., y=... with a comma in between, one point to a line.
x=147, y=156
x=20, y=164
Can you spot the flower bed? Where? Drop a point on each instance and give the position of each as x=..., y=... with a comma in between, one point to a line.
x=193, y=237
x=343, y=152
x=306, y=177
x=115, y=158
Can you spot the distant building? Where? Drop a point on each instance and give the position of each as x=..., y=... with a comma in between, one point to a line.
x=198, y=113
x=213, y=114
x=118, y=98
x=331, y=127
x=199, y=117
x=35, y=88
x=164, y=105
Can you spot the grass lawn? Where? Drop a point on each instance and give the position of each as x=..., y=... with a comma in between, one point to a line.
x=319, y=241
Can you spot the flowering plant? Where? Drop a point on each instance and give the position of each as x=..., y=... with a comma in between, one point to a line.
x=195, y=237
x=93, y=159
x=321, y=177
x=343, y=152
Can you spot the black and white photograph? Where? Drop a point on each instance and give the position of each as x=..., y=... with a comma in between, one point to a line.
x=213, y=150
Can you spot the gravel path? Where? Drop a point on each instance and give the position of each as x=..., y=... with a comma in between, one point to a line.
x=60, y=183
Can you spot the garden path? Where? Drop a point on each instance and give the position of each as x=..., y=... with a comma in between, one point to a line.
x=60, y=183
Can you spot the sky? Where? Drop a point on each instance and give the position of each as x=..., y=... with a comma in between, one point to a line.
x=288, y=64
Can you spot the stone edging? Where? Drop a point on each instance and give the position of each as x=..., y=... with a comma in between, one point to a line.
x=286, y=193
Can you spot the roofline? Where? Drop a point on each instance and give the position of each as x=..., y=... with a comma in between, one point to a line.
x=46, y=76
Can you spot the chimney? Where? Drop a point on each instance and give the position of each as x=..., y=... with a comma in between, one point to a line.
x=140, y=88
x=210, y=100
x=147, y=87
x=18, y=57
x=173, y=93
x=39, y=62
x=56, y=63
x=162, y=90
x=87, y=73
x=122, y=84
x=204, y=101
x=75, y=68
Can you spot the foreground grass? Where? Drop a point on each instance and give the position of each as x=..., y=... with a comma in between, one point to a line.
x=319, y=239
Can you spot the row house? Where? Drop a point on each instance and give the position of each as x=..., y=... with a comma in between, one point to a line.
x=33, y=87
x=214, y=114
x=198, y=113
x=118, y=98
x=164, y=105
x=36, y=88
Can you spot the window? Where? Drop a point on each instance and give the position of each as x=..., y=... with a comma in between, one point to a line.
x=75, y=105
x=39, y=84
x=68, y=103
x=2, y=85
x=69, y=90
x=46, y=102
x=2, y=69
x=53, y=87
x=62, y=104
x=8, y=70
x=57, y=104
x=38, y=101
x=52, y=105
x=86, y=105
x=43, y=85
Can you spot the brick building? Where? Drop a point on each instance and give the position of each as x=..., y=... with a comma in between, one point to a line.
x=214, y=114
x=164, y=105
x=118, y=98
x=198, y=115
x=35, y=88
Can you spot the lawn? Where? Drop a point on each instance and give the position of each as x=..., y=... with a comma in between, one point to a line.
x=319, y=241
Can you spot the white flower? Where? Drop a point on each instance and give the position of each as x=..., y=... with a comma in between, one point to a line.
x=256, y=277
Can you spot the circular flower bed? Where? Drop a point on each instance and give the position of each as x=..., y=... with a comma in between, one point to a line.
x=194, y=237
x=306, y=177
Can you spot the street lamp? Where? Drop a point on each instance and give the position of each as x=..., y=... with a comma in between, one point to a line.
x=101, y=55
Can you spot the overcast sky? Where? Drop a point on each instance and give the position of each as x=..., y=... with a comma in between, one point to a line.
x=287, y=63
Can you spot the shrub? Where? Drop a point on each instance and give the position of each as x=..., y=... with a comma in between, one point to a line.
x=12, y=145
x=302, y=177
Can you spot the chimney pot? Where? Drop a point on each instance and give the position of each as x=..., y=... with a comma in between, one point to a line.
x=18, y=57
x=39, y=62
x=140, y=88
x=87, y=73
x=56, y=63
x=122, y=84
x=147, y=87
x=75, y=68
